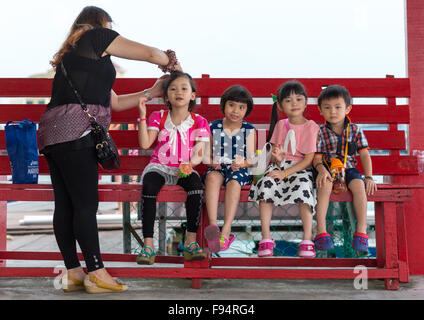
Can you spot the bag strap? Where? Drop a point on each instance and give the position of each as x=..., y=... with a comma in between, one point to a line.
x=286, y=122
x=163, y=119
x=77, y=95
x=165, y=115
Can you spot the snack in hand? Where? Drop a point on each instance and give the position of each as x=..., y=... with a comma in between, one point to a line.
x=184, y=170
x=240, y=161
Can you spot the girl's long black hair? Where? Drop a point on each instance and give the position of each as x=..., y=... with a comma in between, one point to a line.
x=285, y=90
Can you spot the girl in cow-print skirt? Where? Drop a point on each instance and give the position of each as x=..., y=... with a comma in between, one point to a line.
x=288, y=179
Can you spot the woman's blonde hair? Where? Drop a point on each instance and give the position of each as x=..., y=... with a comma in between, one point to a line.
x=89, y=18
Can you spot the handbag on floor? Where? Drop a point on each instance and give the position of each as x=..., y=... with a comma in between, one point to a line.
x=21, y=145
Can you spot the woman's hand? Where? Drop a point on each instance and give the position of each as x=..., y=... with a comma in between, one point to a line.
x=156, y=89
x=178, y=67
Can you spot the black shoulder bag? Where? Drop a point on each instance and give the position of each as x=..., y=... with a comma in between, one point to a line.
x=107, y=153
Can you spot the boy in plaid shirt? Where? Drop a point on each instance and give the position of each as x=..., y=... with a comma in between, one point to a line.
x=334, y=104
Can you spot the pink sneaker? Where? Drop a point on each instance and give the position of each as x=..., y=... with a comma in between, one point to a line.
x=266, y=248
x=306, y=249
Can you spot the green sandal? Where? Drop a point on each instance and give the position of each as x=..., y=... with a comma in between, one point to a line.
x=195, y=253
x=146, y=257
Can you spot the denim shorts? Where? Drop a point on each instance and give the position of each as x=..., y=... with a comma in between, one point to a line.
x=350, y=174
x=243, y=176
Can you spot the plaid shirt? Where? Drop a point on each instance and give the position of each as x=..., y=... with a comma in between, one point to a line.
x=331, y=145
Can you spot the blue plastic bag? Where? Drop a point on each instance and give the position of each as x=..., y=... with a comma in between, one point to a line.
x=21, y=145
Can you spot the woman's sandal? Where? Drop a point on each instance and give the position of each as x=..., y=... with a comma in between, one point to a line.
x=226, y=242
x=192, y=253
x=146, y=257
x=94, y=285
x=75, y=285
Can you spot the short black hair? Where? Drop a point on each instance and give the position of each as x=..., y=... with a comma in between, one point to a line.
x=335, y=91
x=173, y=76
x=237, y=93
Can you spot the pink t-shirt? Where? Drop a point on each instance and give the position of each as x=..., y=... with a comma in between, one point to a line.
x=306, y=138
x=175, y=143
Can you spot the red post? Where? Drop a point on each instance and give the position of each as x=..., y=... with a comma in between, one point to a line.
x=414, y=218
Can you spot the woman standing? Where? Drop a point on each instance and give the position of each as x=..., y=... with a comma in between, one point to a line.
x=66, y=141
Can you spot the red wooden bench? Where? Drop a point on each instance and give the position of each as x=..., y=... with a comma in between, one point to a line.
x=391, y=263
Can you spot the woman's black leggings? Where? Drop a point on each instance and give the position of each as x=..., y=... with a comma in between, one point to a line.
x=74, y=175
x=153, y=182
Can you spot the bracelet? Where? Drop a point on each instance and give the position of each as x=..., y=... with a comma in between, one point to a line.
x=147, y=94
x=285, y=174
x=172, y=62
x=141, y=119
x=369, y=178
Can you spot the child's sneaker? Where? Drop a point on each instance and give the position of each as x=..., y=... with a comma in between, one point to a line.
x=307, y=249
x=266, y=248
x=360, y=241
x=323, y=242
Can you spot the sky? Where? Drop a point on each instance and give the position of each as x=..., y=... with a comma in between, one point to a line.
x=222, y=38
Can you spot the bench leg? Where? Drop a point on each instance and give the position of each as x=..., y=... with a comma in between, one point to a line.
x=3, y=225
x=391, y=245
x=196, y=283
x=402, y=244
x=379, y=234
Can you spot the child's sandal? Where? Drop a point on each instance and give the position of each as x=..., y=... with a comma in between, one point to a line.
x=226, y=242
x=146, y=257
x=266, y=248
x=193, y=252
x=360, y=241
x=323, y=242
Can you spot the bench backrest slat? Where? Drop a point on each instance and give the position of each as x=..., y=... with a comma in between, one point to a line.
x=379, y=107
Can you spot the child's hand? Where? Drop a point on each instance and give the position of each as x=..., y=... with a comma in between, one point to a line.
x=278, y=153
x=323, y=178
x=215, y=166
x=276, y=175
x=142, y=107
x=235, y=166
x=370, y=186
x=240, y=161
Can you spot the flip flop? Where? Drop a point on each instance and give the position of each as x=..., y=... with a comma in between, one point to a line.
x=212, y=236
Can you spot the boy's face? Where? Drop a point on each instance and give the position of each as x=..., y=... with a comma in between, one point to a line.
x=334, y=110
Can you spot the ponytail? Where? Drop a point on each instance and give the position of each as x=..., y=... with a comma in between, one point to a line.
x=273, y=121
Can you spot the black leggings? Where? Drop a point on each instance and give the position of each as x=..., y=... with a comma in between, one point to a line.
x=74, y=175
x=153, y=182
